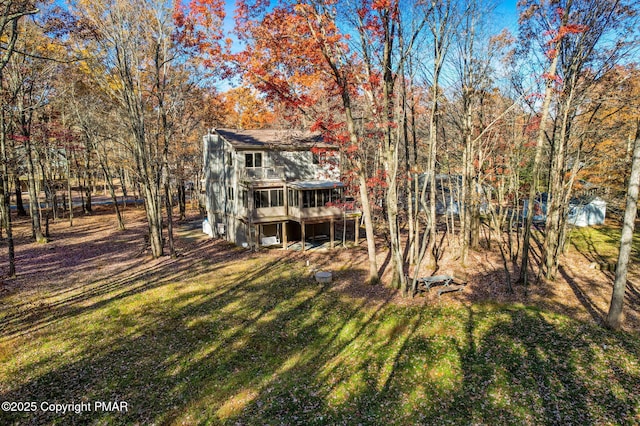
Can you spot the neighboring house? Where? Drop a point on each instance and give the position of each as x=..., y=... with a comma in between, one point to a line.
x=587, y=211
x=266, y=187
x=539, y=207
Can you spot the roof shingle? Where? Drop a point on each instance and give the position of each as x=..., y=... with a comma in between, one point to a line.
x=272, y=139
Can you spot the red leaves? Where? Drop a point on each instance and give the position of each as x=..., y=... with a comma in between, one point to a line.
x=555, y=78
x=381, y=4
x=199, y=27
x=564, y=30
x=378, y=181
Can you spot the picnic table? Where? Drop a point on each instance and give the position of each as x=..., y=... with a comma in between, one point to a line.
x=443, y=281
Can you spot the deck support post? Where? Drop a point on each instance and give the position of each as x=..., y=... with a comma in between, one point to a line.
x=331, y=231
x=284, y=235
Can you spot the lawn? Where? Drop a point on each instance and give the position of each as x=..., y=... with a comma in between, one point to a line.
x=601, y=244
x=224, y=336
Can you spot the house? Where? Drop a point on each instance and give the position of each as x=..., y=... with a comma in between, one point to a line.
x=539, y=207
x=584, y=210
x=267, y=187
x=587, y=211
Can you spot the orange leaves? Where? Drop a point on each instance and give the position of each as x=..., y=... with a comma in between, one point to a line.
x=562, y=32
x=199, y=26
x=243, y=108
x=289, y=50
x=553, y=78
x=381, y=4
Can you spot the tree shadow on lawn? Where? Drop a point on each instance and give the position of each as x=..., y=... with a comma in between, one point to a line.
x=274, y=347
x=528, y=368
x=596, y=313
x=521, y=369
x=175, y=354
x=73, y=300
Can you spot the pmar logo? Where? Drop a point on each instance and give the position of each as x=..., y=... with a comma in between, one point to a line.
x=120, y=406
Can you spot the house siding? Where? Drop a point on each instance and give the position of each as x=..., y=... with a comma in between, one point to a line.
x=227, y=182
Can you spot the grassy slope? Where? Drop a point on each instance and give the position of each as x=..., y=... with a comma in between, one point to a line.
x=257, y=342
x=601, y=244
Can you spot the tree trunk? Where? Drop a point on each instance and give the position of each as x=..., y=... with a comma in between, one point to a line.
x=88, y=182
x=112, y=191
x=558, y=194
x=169, y=208
x=69, y=191
x=615, y=317
x=123, y=182
x=373, y=277
x=154, y=220
x=182, y=199
x=18, y=190
x=34, y=204
x=5, y=198
x=391, y=168
x=548, y=94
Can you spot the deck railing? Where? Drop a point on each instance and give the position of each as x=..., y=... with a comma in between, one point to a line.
x=262, y=173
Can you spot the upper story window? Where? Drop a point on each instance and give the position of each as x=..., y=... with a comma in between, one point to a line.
x=229, y=159
x=322, y=157
x=253, y=159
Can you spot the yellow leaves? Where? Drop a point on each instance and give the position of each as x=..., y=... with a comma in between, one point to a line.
x=244, y=109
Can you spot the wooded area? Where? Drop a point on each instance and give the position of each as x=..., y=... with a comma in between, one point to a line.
x=118, y=93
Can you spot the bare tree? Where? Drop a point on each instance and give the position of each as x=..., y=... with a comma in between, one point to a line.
x=12, y=13
x=614, y=317
x=133, y=64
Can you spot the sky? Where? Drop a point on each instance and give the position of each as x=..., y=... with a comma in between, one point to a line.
x=506, y=16
x=507, y=11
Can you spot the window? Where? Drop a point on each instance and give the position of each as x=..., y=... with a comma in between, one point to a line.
x=308, y=199
x=264, y=198
x=277, y=198
x=324, y=197
x=318, y=197
x=336, y=195
x=320, y=157
x=268, y=198
x=253, y=159
x=230, y=193
x=229, y=159
x=244, y=195
x=292, y=196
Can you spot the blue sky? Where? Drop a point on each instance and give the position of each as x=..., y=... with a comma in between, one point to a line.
x=507, y=11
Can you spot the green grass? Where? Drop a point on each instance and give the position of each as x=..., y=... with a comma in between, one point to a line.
x=601, y=244
x=261, y=343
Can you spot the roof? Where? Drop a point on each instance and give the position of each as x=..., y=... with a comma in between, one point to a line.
x=316, y=184
x=273, y=139
x=586, y=200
